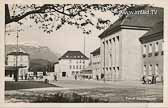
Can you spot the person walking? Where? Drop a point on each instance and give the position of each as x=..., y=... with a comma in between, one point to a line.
x=75, y=77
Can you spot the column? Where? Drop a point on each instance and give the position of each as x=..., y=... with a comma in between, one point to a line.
x=117, y=57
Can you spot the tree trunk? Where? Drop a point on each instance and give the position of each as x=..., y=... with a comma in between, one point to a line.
x=7, y=14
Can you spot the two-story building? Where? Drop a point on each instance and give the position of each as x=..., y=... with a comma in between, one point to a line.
x=18, y=60
x=120, y=46
x=70, y=65
x=152, y=52
x=95, y=63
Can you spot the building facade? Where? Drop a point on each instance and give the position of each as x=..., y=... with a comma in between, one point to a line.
x=95, y=63
x=152, y=52
x=70, y=65
x=19, y=59
x=120, y=46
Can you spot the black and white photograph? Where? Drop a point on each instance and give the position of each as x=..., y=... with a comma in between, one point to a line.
x=83, y=53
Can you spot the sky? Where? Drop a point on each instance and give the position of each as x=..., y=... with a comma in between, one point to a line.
x=67, y=38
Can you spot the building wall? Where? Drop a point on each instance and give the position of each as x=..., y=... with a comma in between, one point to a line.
x=72, y=67
x=22, y=60
x=96, y=66
x=154, y=58
x=122, y=55
x=112, y=63
x=131, y=54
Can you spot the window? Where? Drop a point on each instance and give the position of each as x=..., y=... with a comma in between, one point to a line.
x=114, y=69
x=106, y=69
x=107, y=42
x=80, y=67
x=150, y=48
x=70, y=66
x=144, y=49
x=144, y=70
x=162, y=52
x=118, y=38
x=73, y=66
x=110, y=41
x=70, y=61
x=76, y=66
x=113, y=39
x=150, y=69
x=162, y=45
x=156, y=69
x=63, y=74
x=156, y=47
x=118, y=68
x=21, y=58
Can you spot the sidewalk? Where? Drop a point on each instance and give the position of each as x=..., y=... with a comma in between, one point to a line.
x=78, y=84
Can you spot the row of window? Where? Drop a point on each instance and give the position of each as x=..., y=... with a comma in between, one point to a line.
x=113, y=39
x=112, y=68
x=155, y=54
x=75, y=72
x=94, y=63
x=77, y=67
x=78, y=61
x=110, y=42
x=19, y=58
x=150, y=48
x=151, y=69
x=74, y=56
x=19, y=64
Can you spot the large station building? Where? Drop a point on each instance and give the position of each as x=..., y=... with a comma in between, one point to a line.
x=120, y=50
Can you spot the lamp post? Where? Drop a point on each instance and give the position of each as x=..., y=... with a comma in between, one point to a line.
x=16, y=62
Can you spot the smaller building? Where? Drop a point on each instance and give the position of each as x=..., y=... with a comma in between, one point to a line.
x=20, y=61
x=95, y=63
x=152, y=52
x=87, y=73
x=70, y=65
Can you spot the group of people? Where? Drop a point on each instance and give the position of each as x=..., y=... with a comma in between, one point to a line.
x=149, y=79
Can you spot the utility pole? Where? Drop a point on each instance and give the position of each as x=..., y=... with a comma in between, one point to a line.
x=84, y=49
x=17, y=46
x=84, y=45
x=16, y=62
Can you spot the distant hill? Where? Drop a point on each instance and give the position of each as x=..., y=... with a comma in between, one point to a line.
x=36, y=52
x=41, y=65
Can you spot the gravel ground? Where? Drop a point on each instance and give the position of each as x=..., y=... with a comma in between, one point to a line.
x=89, y=92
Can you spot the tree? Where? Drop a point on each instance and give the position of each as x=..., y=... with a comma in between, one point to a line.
x=54, y=16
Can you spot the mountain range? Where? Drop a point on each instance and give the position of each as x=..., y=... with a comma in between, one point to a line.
x=37, y=53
